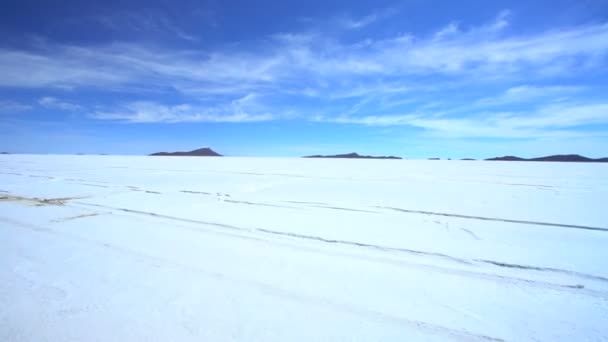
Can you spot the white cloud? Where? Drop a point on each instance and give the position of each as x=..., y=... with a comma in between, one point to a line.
x=501, y=21
x=561, y=116
x=144, y=21
x=546, y=121
x=388, y=73
x=54, y=103
x=11, y=107
x=354, y=24
x=371, y=120
x=525, y=93
x=448, y=31
x=244, y=109
x=296, y=62
x=362, y=22
x=64, y=67
x=480, y=53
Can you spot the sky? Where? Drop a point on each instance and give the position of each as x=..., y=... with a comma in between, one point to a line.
x=415, y=78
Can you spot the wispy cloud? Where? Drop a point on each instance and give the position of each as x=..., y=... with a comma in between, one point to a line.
x=54, y=103
x=358, y=23
x=296, y=62
x=546, y=121
x=525, y=93
x=145, y=22
x=325, y=73
x=453, y=29
x=371, y=120
x=240, y=110
x=59, y=67
x=11, y=107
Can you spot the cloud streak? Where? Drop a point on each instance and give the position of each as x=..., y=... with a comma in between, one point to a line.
x=546, y=121
x=257, y=81
x=287, y=61
x=355, y=24
x=244, y=109
x=145, y=22
x=12, y=107
x=54, y=103
x=525, y=93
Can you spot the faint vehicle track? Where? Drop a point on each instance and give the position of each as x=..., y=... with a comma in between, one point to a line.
x=342, y=208
x=76, y=217
x=300, y=202
x=195, y=192
x=561, y=225
x=38, y=201
x=470, y=233
x=259, y=204
x=340, y=306
x=356, y=244
x=63, y=201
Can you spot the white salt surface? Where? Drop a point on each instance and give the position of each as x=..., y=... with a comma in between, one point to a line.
x=117, y=248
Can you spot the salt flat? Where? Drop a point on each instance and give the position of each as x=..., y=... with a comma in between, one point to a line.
x=123, y=248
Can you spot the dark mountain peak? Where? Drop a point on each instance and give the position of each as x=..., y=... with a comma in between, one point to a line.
x=201, y=152
x=554, y=158
x=564, y=157
x=205, y=151
x=507, y=158
x=352, y=155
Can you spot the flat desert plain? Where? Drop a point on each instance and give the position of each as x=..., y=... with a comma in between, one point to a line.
x=127, y=248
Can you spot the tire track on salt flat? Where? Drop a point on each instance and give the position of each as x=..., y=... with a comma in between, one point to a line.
x=352, y=243
x=356, y=244
x=241, y=233
x=496, y=219
x=340, y=306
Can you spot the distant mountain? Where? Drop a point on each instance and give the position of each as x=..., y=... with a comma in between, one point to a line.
x=201, y=152
x=352, y=155
x=4, y=153
x=467, y=159
x=507, y=158
x=555, y=158
x=564, y=158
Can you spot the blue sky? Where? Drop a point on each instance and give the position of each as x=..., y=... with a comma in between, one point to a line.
x=288, y=78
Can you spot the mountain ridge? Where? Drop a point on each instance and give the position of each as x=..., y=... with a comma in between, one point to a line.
x=201, y=152
x=352, y=155
x=553, y=158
